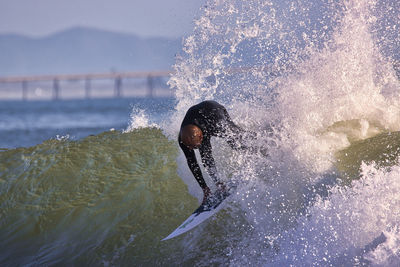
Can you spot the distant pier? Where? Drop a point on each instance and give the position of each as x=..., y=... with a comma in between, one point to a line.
x=103, y=85
x=115, y=84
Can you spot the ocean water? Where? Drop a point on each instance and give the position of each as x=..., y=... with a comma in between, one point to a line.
x=102, y=182
x=28, y=123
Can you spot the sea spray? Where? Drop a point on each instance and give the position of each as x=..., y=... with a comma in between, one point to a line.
x=138, y=120
x=338, y=83
x=339, y=230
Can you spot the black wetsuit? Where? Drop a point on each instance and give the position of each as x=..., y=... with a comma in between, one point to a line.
x=213, y=120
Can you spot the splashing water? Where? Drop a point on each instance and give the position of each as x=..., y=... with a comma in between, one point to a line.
x=138, y=120
x=313, y=78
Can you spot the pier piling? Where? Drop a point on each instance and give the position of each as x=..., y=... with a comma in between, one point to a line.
x=88, y=78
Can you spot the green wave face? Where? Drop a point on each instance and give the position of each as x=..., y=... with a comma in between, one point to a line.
x=107, y=199
x=382, y=150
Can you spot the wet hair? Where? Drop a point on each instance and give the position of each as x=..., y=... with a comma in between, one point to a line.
x=191, y=136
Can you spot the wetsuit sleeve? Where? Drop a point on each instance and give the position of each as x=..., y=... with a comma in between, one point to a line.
x=208, y=160
x=235, y=135
x=193, y=165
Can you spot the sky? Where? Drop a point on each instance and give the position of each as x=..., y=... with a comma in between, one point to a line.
x=36, y=18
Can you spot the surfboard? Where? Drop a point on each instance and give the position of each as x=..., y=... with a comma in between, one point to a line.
x=201, y=214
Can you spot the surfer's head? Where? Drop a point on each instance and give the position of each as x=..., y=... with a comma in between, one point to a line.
x=191, y=136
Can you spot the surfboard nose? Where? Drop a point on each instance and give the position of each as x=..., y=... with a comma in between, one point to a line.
x=202, y=213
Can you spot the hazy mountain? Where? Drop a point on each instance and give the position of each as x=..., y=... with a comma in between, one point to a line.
x=82, y=50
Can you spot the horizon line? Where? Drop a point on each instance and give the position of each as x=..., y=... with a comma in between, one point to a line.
x=92, y=28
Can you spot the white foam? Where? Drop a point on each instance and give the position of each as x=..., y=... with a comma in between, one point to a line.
x=139, y=119
x=388, y=252
x=338, y=229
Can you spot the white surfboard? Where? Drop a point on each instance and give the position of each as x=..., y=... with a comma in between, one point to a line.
x=201, y=214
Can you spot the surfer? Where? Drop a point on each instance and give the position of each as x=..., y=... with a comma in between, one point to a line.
x=201, y=122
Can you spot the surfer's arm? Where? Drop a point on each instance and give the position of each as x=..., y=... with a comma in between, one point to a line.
x=193, y=165
x=235, y=136
x=208, y=160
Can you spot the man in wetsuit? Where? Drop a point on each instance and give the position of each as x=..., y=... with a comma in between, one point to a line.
x=201, y=122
